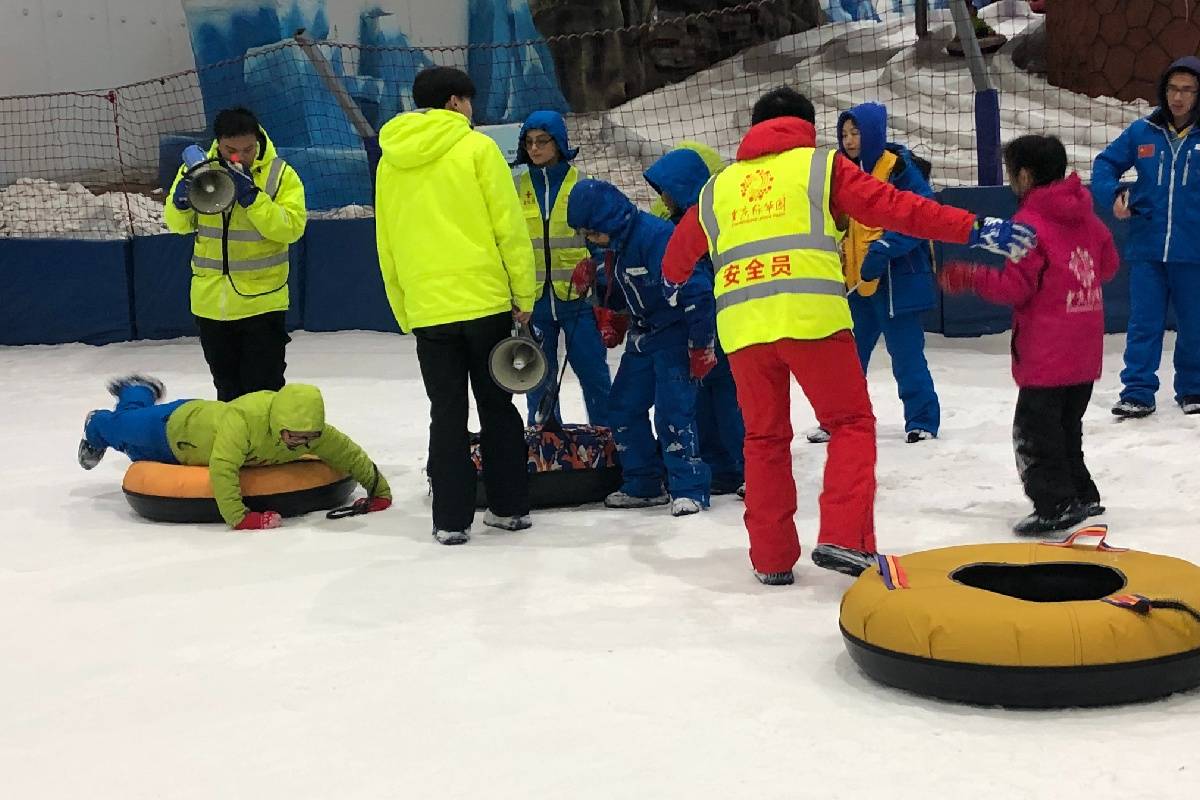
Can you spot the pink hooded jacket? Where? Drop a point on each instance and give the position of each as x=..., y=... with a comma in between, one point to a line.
x=1058, y=308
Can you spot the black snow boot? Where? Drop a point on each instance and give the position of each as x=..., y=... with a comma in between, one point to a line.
x=1067, y=516
x=845, y=560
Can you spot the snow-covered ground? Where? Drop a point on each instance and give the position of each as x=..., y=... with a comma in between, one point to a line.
x=601, y=654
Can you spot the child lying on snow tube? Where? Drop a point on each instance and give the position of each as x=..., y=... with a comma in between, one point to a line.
x=257, y=429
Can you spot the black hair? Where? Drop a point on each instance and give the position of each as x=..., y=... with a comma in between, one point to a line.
x=434, y=86
x=1044, y=157
x=783, y=101
x=235, y=122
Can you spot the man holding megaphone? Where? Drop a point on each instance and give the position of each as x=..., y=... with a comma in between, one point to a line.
x=246, y=206
x=457, y=265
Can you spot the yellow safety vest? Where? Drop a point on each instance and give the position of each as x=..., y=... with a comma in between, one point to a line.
x=774, y=248
x=563, y=248
x=254, y=240
x=859, y=236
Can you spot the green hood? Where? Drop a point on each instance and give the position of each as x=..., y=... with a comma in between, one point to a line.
x=414, y=139
x=297, y=407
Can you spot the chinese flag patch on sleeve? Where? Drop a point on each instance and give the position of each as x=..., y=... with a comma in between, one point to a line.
x=1145, y=151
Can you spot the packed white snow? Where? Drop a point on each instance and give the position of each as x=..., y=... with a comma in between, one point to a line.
x=600, y=654
x=35, y=208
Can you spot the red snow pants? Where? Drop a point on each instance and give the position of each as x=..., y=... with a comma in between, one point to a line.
x=831, y=377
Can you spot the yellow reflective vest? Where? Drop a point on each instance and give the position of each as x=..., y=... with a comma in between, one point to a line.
x=555, y=244
x=859, y=237
x=240, y=259
x=774, y=248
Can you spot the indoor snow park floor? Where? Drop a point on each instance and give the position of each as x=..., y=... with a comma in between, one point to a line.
x=602, y=654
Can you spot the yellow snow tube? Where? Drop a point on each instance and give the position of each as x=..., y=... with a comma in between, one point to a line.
x=177, y=493
x=1044, y=624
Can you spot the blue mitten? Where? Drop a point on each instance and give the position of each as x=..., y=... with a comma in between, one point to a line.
x=243, y=184
x=875, y=262
x=1003, y=237
x=180, y=196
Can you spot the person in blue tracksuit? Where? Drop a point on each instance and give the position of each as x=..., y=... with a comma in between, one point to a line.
x=1163, y=249
x=669, y=349
x=544, y=190
x=891, y=275
x=678, y=178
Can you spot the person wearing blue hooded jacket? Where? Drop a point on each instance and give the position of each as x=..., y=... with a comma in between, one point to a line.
x=678, y=177
x=1163, y=249
x=544, y=190
x=669, y=348
x=890, y=275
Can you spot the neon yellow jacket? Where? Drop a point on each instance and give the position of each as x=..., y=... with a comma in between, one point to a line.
x=258, y=239
x=245, y=432
x=453, y=245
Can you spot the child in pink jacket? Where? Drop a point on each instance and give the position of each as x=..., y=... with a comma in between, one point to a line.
x=1057, y=330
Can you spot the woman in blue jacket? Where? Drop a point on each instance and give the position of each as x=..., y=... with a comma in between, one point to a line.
x=668, y=349
x=544, y=190
x=678, y=177
x=890, y=276
x=1163, y=249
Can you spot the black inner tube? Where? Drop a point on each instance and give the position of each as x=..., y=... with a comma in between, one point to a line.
x=1043, y=583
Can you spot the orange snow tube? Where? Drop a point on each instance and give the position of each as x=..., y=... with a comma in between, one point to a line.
x=177, y=493
x=1045, y=624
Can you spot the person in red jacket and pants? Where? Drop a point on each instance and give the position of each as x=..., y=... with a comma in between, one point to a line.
x=753, y=321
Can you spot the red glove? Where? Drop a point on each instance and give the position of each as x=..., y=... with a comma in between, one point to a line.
x=957, y=278
x=365, y=505
x=583, y=277
x=259, y=521
x=701, y=360
x=612, y=326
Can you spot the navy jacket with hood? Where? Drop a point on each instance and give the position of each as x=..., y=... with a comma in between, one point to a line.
x=638, y=241
x=1165, y=199
x=907, y=285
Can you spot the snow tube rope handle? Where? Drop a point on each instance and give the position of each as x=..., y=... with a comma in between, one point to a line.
x=352, y=510
x=1090, y=532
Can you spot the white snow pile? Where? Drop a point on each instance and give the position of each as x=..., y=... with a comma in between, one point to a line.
x=929, y=95
x=33, y=208
x=345, y=212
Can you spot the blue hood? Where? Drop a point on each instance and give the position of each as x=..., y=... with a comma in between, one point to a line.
x=600, y=206
x=871, y=119
x=681, y=174
x=552, y=123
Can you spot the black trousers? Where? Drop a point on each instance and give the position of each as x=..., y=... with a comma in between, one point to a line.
x=1048, y=442
x=245, y=355
x=449, y=355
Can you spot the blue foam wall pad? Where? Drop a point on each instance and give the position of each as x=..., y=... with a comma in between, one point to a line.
x=54, y=291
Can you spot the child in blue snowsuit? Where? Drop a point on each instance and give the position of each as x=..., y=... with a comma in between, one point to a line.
x=902, y=266
x=557, y=249
x=678, y=178
x=669, y=348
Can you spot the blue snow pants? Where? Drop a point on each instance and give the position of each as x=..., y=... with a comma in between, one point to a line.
x=585, y=353
x=905, y=341
x=720, y=428
x=137, y=427
x=1152, y=284
x=660, y=379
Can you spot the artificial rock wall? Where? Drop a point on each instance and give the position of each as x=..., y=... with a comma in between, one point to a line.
x=1118, y=48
